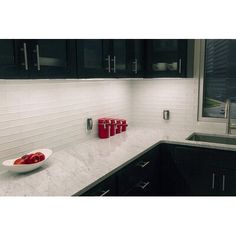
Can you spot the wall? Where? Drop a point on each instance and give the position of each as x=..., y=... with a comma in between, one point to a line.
x=151, y=97
x=51, y=113
x=180, y=96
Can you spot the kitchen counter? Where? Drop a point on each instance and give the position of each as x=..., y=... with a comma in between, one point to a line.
x=77, y=166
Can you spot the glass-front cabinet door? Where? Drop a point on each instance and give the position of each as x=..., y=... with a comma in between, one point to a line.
x=53, y=58
x=90, y=58
x=136, y=57
x=97, y=58
x=119, y=60
x=166, y=58
x=14, y=62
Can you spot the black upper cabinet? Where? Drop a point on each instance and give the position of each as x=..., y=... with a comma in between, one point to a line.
x=135, y=57
x=102, y=58
x=119, y=60
x=13, y=59
x=95, y=58
x=165, y=58
x=42, y=58
x=90, y=58
x=52, y=58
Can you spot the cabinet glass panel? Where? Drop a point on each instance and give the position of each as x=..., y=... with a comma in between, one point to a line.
x=119, y=61
x=137, y=62
x=166, y=57
x=13, y=56
x=7, y=55
x=51, y=57
x=92, y=54
x=90, y=58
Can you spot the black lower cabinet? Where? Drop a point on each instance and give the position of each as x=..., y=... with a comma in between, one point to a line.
x=141, y=177
x=185, y=171
x=193, y=171
x=138, y=178
x=227, y=182
x=173, y=170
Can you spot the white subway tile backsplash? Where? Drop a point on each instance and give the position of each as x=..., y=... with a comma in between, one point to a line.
x=150, y=98
x=51, y=113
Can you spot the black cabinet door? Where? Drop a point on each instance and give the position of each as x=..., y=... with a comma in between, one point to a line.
x=189, y=171
x=166, y=58
x=14, y=58
x=172, y=180
x=102, y=58
x=52, y=58
x=91, y=59
x=226, y=184
x=119, y=60
x=135, y=57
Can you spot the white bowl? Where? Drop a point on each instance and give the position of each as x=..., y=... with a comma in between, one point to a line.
x=22, y=168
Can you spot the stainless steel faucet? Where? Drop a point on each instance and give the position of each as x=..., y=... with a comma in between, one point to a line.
x=229, y=126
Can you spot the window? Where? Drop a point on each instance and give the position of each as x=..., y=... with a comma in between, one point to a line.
x=219, y=77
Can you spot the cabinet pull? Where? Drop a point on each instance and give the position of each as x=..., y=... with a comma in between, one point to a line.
x=142, y=184
x=24, y=49
x=104, y=193
x=108, y=59
x=223, y=183
x=213, y=181
x=135, y=63
x=142, y=164
x=180, y=65
x=114, y=64
x=37, y=52
x=37, y=56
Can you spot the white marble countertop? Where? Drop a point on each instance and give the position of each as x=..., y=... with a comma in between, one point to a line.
x=76, y=166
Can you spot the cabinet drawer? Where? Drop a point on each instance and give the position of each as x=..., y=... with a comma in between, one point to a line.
x=105, y=188
x=146, y=187
x=144, y=169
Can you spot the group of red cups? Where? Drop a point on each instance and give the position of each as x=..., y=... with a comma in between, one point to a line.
x=109, y=127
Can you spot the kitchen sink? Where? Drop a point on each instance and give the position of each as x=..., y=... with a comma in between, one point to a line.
x=211, y=138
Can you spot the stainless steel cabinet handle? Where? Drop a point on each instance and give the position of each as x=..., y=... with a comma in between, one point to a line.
x=108, y=59
x=213, y=181
x=135, y=63
x=25, y=56
x=38, y=62
x=223, y=183
x=105, y=192
x=142, y=184
x=37, y=55
x=114, y=64
x=142, y=164
x=180, y=65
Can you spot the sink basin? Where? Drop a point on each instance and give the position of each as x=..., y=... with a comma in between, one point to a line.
x=223, y=139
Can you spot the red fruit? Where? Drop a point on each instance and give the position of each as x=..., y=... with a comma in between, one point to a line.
x=35, y=158
x=28, y=157
x=19, y=161
x=41, y=155
x=25, y=156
